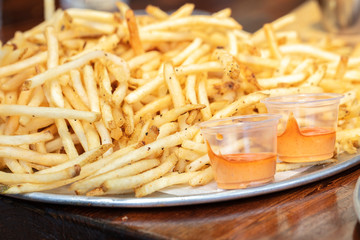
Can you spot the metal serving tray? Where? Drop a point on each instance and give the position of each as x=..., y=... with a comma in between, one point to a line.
x=161, y=199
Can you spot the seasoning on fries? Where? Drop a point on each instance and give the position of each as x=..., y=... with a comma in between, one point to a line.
x=107, y=103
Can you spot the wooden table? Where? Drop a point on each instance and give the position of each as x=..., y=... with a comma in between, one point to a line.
x=320, y=210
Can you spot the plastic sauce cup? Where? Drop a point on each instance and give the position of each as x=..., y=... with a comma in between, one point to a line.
x=307, y=129
x=242, y=150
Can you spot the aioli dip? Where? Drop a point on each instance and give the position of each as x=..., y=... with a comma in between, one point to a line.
x=241, y=169
x=306, y=144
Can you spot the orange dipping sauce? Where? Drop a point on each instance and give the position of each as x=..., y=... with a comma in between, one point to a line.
x=238, y=170
x=307, y=144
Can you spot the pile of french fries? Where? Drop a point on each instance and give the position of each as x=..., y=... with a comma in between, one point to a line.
x=107, y=103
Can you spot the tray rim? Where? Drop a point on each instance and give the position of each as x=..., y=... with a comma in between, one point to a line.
x=172, y=200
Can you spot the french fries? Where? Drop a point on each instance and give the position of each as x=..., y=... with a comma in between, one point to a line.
x=106, y=103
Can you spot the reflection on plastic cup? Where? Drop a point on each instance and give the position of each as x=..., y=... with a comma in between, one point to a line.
x=102, y=5
x=242, y=150
x=307, y=129
x=341, y=16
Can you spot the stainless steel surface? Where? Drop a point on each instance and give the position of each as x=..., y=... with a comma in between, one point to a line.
x=315, y=173
x=341, y=16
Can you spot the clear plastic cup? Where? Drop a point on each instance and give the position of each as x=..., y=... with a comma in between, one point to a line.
x=242, y=150
x=307, y=129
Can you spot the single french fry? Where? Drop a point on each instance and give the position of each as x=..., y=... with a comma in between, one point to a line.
x=13, y=165
x=129, y=119
x=177, y=60
x=104, y=81
x=40, y=147
x=291, y=90
x=22, y=65
x=224, y=13
x=341, y=68
x=258, y=61
x=190, y=90
x=91, y=89
x=204, y=21
x=163, y=182
x=92, y=136
x=34, y=125
x=198, y=163
x=139, y=60
x=135, y=41
x=156, y=12
x=73, y=99
x=167, y=129
x=100, y=27
x=203, y=99
x=162, y=36
x=199, y=68
x=279, y=23
x=173, y=85
x=309, y=50
x=232, y=42
x=271, y=39
x=104, y=136
x=47, y=159
x=92, y=15
x=285, y=64
x=184, y=11
x=197, y=54
x=16, y=140
x=14, y=82
x=174, y=114
x=242, y=102
x=107, y=115
x=119, y=93
x=198, y=147
x=11, y=125
x=49, y=9
x=16, y=178
x=61, y=69
x=53, y=48
x=285, y=79
x=118, y=116
x=37, y=98
x=218, y=105
x=303, y=66
x=66, y=139
x=187, y=154
x=144, y=90
x=152, y=108
x=315, y=79
x=78, y=86
x=49, y=112
x=202, y=178
x=192, y=116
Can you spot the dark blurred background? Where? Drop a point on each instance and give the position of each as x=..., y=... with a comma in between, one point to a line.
x=252, y=14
